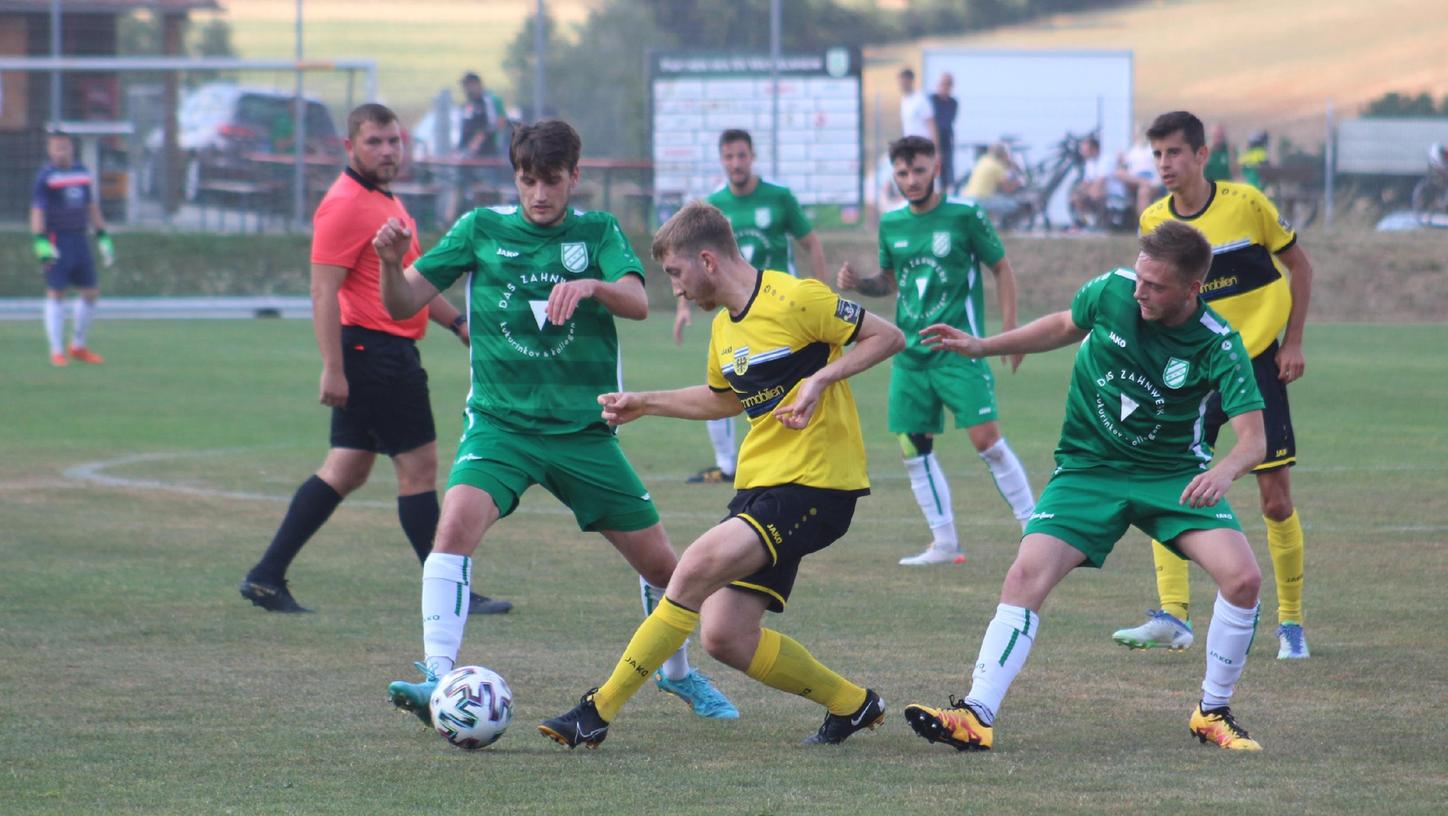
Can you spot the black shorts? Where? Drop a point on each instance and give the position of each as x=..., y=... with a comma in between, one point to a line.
x=1276, y=416
x=791, y=521
x=388, y=410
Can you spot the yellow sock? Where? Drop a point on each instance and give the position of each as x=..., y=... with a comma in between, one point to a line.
x=1172, y=583
x=660, y=635
x=1284, y=544
x=781, y=662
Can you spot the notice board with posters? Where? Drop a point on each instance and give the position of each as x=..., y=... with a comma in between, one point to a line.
x=696, y=96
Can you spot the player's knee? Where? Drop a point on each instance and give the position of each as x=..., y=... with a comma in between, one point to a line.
x=1242, y=586
x=726, y=646
x=913, y=445
x=1277, y=505
x=984, y=437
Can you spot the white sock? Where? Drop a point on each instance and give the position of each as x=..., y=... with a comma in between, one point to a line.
x=677, y=666
x=1003, y=651
x=1010, y=479
x=1228, y=638
x=932, y=493
x=84, y=310
x=445, y=580
x=721, y=434
x=55, y=325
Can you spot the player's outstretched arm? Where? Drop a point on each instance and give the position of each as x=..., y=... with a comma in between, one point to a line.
x=816, y=252
x=877, y=340
x=1042, y=334
x=624, y=297
x=1210, y=487
x=695, y=402
x=1005, y=276
x=403, y=292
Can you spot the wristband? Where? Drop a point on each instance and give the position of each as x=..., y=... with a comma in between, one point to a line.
x=458, y=322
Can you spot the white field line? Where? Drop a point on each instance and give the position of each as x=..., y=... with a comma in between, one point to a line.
x=97, y=473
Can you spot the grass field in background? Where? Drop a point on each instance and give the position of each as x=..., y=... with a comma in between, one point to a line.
x=138, y=681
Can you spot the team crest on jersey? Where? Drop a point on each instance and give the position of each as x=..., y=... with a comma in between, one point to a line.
x=575, y=256
x=763, y=217
x=741, y=360
x=940, y=244
x=1175, y=373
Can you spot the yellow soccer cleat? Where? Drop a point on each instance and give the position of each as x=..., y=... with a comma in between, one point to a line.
x=957, y=726
x=1218, y=725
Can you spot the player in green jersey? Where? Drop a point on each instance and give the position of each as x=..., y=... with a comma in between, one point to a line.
x=763, y=217
x=931, y=251
x=1132, y=452
x=545, y=283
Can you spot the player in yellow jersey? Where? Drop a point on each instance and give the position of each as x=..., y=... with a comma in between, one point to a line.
x=775, y=354
x=1260, y=281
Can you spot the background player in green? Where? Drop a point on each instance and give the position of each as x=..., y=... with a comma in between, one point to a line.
x=544, y=285
x=931, y=251
x=763, y=216
x=1131, y=453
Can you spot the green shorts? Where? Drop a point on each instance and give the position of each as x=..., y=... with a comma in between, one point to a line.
x=1091, y=509
x=919, y=395
x=586, y=471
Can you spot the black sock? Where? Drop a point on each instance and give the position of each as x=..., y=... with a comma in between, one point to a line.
x=311, y=506
x=418, y=514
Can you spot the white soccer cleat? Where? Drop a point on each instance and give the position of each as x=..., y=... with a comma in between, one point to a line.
x=934, y=555
x=1162, y=630
x=1291, y=642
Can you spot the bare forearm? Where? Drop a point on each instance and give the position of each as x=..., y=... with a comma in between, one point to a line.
x=816, y=252
x=879, y=286
x=1301, y=286
x=401, y=300
x=694, y=402
x=1251, y=446
x=441, y=312
x=37, y=219
x=327, y=327
x=624, y=297
x=1006, y=293
x=97, y=221
x=867, y=352
x=1042, y=334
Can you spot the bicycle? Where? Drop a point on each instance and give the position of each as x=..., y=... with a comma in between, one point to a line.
x=1430, y=194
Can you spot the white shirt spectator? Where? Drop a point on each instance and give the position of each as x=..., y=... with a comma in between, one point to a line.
x=916, y=114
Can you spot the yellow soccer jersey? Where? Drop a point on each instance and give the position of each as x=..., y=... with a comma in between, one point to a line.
x=1246, y=284
x=790, y=329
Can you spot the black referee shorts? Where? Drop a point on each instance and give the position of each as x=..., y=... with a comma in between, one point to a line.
x=388, y=410
x=1276, y=415
x=791, y=521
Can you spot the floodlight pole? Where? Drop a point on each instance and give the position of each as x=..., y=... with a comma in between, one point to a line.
x=774, y=88
x=540, y=47
x=299, y=135
x=56, y=114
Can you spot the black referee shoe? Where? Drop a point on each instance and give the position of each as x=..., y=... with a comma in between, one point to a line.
x=483, y=605
x=273, y=596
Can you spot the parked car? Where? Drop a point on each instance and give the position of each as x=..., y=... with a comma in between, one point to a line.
x=219, y=122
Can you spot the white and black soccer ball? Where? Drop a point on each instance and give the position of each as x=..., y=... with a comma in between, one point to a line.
x=471, y=707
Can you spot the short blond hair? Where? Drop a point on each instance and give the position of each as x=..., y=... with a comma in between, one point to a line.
x=698, y=226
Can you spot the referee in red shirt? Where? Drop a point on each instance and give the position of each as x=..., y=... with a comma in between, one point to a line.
x=372, y=375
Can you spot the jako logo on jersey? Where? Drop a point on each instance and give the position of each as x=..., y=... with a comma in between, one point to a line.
x=507, y=253
x=1117, y=340
x=741, y=360
x=575, y=256
x=1035, y=516
x=763, y=217
x=1175, y=373
x=940, y=244
x=901, y=244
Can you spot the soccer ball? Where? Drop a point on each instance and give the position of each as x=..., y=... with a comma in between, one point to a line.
x=471, y=707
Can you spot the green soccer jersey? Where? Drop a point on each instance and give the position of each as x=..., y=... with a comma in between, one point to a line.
x=936, y=257
x=1139, y=389
x=763, y=221
x=529, y=375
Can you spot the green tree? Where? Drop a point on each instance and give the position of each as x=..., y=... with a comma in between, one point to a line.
x=1402, y=105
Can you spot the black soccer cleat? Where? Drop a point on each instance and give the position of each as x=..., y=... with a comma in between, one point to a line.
x=483, y=605
x=837, y=729
x=580, y=726
x=273, y=596
x=711, y=475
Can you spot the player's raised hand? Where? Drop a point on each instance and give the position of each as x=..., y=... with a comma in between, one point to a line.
x=392, y=241
x=846, y=279
x=1206, y=489
x=797, y=414
x=621, y=406
x=683, y=316
x=941, y=337
x=565, y=297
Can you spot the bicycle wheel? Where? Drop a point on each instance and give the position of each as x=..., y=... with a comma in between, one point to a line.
x=1430, y=196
